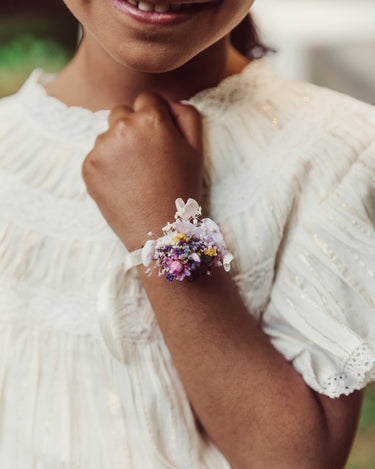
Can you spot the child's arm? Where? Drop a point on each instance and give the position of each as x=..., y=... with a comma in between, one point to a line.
x=253, y=404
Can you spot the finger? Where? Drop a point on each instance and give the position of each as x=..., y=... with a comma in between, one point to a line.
x=189, y=122
x=147, y=101
x=118, y=113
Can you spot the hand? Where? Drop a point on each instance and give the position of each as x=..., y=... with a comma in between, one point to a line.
x=149, y=156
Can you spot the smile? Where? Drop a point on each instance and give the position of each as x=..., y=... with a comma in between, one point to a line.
x=158, y=7
x=160, y=13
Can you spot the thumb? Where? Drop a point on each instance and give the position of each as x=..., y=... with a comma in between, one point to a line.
x=189, y=122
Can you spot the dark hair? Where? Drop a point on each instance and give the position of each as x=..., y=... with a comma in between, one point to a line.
x=245, y=38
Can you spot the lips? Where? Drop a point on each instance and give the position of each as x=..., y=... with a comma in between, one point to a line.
x=162, y=7
x=160, y=12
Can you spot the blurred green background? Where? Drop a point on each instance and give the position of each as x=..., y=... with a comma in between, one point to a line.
x=41, y=33
x=45, y=35
x=363, y=452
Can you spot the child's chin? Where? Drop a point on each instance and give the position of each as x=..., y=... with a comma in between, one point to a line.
x=154, y=63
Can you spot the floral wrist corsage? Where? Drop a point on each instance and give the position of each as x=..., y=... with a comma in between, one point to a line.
x=190, y=247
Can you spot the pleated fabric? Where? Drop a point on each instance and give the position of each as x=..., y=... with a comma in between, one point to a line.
x=290, y=172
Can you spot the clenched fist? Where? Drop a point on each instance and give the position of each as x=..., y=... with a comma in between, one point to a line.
x=149, y=156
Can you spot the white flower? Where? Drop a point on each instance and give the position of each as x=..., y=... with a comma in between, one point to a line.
x=195, y=257
x=185, y=227
x=188, y=210
x=226, y=261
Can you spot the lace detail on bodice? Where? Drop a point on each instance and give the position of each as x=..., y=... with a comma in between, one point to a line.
x=56, y=217
x=46, y=309
x=235, y=89
x=72, y=123
x=132, y=319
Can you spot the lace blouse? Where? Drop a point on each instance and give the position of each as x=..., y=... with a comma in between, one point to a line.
x=290, y=169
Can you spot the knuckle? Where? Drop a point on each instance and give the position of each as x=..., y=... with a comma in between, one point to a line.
x=120, y=126
x=154, y=116
x=90, y=167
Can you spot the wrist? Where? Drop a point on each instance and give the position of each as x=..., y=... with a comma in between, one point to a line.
x=138, y=235
x=148, y=225
x=188, y=248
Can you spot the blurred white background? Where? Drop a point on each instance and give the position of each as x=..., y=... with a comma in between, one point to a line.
x=328, y=42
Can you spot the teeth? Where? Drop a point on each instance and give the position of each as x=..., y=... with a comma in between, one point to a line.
x=145, y=6
x=159, y=8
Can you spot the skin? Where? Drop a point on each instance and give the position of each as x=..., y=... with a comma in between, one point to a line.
x=120, y=58
x=248, y=398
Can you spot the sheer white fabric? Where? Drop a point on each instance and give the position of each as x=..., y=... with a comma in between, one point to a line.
x=290, y=169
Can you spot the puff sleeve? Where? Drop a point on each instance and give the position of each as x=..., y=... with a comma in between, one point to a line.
x=321, y=312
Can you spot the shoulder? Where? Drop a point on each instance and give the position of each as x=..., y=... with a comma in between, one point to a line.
x=319, y=115
x=300, y=139
x=322, y=307
x=321, y=111
x=15, y=108
x=318, y=139
x=258, y=87
x=9, y=107
x=269, y=114
x=335, y=141
x=48, y=118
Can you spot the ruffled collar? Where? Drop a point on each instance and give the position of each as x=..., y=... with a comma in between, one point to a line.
x=81, y=124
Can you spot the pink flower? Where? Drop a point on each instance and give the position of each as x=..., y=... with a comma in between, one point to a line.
x=175, y=267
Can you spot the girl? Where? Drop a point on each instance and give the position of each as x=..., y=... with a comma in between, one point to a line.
x=260, y=368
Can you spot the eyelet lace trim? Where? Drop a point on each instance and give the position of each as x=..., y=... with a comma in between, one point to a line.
x=358, y=371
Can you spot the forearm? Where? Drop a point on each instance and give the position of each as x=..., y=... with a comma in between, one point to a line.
x=249, y=399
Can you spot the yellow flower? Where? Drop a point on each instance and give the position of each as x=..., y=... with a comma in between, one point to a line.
x=211, y=252
x=180, y=237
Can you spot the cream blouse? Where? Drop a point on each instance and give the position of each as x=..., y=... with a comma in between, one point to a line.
x=291, y=181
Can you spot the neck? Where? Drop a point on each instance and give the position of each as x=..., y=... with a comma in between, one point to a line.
x=100, y=82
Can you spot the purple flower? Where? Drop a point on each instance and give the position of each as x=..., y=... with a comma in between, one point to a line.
x=213, y=233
